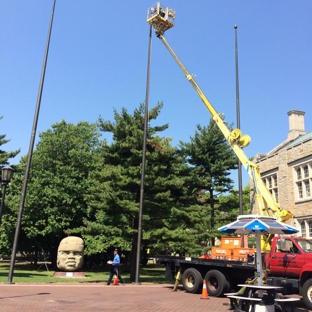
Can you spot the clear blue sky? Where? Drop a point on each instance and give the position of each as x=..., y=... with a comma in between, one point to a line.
x=98, y=61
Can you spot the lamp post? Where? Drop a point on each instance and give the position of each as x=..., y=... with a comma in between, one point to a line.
x=6, y=176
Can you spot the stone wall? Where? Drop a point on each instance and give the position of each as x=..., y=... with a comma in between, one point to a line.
x=282, y=163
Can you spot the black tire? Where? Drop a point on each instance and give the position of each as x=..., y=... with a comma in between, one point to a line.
x=228, y=284
x=307, y=293
x=192, y=281
x=216, y=283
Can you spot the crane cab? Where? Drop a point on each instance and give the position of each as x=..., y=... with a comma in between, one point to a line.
x=160, y=17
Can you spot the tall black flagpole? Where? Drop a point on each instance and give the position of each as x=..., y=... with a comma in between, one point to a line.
x=138, y=258
x=30, y=151
x=240, y=184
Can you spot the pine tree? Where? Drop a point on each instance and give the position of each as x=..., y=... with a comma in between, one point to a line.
x=114, y=192
x=212, y=159
x=5, y=156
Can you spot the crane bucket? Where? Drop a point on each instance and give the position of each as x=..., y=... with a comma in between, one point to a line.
x=160, y=17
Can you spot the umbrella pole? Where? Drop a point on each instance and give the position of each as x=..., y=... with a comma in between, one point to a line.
x=259, y=258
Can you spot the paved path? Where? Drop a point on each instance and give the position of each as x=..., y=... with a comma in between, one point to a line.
x=100, y=297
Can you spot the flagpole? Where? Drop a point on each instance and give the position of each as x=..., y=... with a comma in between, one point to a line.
x=30, y=151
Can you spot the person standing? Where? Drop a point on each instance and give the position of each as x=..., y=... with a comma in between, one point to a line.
x=115, y=268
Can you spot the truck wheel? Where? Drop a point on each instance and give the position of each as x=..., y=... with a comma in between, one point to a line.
x=192, y=281
x=228, y=286
x=216, y=283
x=307, y=293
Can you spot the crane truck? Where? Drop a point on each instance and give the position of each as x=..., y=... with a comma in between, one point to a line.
x=284, y=267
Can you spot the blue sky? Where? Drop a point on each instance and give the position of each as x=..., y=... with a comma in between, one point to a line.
x=98, y=61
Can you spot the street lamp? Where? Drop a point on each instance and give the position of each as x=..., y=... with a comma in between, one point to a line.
x=6, y=176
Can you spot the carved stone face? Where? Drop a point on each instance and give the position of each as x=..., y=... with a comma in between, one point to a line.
x=70, y=254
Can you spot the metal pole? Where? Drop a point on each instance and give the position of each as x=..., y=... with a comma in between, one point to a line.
x=31, y=147
x=240, y=186
x=2, y=201
x=137, y=271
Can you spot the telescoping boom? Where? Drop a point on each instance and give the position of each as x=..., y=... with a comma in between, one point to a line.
x=162, y=18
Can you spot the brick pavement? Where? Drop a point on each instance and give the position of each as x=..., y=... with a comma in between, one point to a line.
x=100, y=297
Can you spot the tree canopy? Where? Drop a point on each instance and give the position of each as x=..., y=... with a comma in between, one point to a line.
x=80, y=184
x=114, y=188
x=61, y=163
x=4, y=155
x=209, y=153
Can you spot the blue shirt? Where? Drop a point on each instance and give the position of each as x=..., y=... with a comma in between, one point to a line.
x=116, y=261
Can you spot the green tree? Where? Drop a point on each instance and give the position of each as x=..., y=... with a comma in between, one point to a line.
x=5, y=156
x=114, y=190
x=209, y=153
x=5, y=238
x=55, y=202
x=10, y=211
x=228, y=209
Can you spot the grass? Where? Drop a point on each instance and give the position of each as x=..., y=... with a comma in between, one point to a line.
x=24, y=272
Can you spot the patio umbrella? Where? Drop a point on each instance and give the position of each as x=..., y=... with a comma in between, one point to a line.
x=258, y=225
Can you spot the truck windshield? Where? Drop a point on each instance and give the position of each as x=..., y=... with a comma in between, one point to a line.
x=305, y=244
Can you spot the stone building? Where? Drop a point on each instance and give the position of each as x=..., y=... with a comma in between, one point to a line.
x=287, y=173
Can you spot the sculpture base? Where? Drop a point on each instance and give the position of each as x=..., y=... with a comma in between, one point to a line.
x=69, y=274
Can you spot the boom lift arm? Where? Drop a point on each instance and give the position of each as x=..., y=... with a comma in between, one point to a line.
x=162, y=19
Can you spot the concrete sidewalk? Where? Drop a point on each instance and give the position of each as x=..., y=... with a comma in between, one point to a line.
x=100, y=297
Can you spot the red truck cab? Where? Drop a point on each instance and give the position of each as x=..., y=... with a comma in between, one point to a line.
x=289, y=265
x=290, y=256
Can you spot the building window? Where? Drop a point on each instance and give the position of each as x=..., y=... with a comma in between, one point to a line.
x=303, y=181
x=299, y=186
x=271, y=184
x=310, y=228
x=275, y=180
x=303, y=229
x=275, y=194
x=307, y=188
x=306, y=171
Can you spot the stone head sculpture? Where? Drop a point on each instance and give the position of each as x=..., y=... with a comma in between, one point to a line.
x=70, y=254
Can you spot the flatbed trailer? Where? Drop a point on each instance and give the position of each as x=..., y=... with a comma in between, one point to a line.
x=221, y=276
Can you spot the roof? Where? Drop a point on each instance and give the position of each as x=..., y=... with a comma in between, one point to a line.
x=287, y=144
x=300, y=139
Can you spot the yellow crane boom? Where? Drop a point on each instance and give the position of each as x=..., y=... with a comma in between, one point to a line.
x=162, y=18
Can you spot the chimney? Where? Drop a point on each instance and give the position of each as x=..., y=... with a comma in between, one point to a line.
x=296, y=124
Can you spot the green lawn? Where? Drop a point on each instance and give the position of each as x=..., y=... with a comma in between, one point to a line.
x=27, y=273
